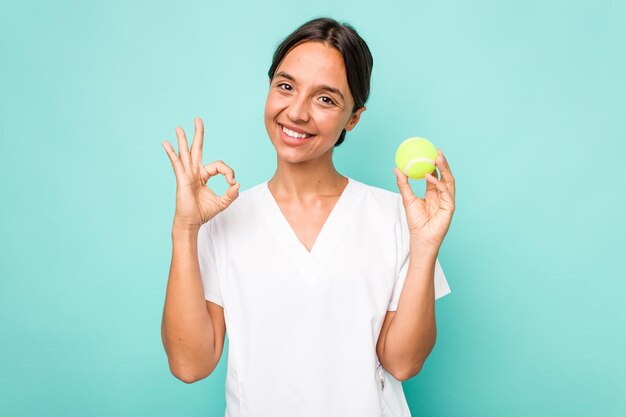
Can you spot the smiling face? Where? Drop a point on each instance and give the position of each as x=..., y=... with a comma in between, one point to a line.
x=309, y=95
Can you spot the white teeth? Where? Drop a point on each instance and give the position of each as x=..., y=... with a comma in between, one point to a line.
x=294, y=134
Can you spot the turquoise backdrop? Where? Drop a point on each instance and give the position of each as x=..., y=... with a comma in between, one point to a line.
x=526, y=98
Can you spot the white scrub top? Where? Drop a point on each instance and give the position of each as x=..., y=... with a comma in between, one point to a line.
x=302, y=326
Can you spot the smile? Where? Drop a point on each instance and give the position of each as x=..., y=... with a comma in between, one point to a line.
x=293, y=134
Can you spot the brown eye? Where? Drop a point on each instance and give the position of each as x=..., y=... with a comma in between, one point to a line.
x=330, y=101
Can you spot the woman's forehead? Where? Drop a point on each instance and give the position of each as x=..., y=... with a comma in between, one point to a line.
x=314, y=61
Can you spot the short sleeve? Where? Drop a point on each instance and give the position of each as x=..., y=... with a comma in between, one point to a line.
x=402, y=244
x=208, y=267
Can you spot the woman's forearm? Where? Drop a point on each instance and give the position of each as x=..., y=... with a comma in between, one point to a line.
x=186, y=328
x=412, y=333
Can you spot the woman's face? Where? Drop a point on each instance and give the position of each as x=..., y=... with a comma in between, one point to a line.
x=309, y=94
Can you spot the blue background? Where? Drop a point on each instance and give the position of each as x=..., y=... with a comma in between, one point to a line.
x=525, y=98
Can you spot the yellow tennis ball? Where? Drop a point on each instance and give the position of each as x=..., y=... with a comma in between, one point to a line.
x=415, y=157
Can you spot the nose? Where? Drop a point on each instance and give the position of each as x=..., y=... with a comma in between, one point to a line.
x=298, y=110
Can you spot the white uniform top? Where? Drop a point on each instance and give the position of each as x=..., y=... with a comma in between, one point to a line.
x=302, y=326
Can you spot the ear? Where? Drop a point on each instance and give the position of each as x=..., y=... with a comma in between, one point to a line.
x=354, y=118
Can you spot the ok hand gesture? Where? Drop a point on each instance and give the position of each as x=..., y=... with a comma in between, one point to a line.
x=195, y=202
x=429, y=217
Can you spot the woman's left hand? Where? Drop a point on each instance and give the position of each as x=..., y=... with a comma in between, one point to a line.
x=429, y=217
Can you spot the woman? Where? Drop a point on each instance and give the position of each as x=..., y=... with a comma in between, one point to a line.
x=326, y=284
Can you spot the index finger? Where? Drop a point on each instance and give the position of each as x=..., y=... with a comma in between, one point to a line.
x=198, y=140
x=220, y=167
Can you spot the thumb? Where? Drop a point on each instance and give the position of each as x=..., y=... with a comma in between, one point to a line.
x=231, y=194
x=403, y=185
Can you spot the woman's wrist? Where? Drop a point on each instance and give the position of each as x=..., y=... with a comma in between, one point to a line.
x=183, y=227
x=423, y=249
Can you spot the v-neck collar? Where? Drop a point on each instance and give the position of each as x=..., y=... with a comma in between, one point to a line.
x=327, y=238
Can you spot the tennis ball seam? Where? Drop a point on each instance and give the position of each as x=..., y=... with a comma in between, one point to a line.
x=415, y=161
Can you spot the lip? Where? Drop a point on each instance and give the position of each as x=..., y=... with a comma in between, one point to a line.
x=288, y=140
x=294, y=129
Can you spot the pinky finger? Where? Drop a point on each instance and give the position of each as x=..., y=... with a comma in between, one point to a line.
x=171, y=153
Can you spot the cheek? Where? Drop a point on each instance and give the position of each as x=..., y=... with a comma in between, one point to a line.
x=273, y=105
x=327, y=121
x=268, y=104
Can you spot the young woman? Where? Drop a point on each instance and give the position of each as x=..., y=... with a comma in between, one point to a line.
x=326, y=285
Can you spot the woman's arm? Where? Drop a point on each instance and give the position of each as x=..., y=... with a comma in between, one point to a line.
x=411, y=332
x=408, y=335
x=193, y=330
x=193, y=338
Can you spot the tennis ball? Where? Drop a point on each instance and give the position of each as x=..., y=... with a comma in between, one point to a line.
x=415, y=157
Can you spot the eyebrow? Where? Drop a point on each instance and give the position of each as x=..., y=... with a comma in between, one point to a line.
x=321, y=86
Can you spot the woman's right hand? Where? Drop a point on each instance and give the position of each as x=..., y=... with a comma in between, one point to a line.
x=196, y=204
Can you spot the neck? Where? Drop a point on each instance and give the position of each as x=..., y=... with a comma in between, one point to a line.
x=307, y=179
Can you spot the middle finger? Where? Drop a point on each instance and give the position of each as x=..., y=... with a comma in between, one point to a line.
x=196, y=145
x=446, y=173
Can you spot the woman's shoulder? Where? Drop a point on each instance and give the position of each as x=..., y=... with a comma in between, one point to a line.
x=377, y=194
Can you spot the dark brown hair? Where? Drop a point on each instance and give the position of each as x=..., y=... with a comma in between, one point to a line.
x=343, y=37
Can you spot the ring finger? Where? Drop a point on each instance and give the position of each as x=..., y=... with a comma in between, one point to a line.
x=183, y=148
